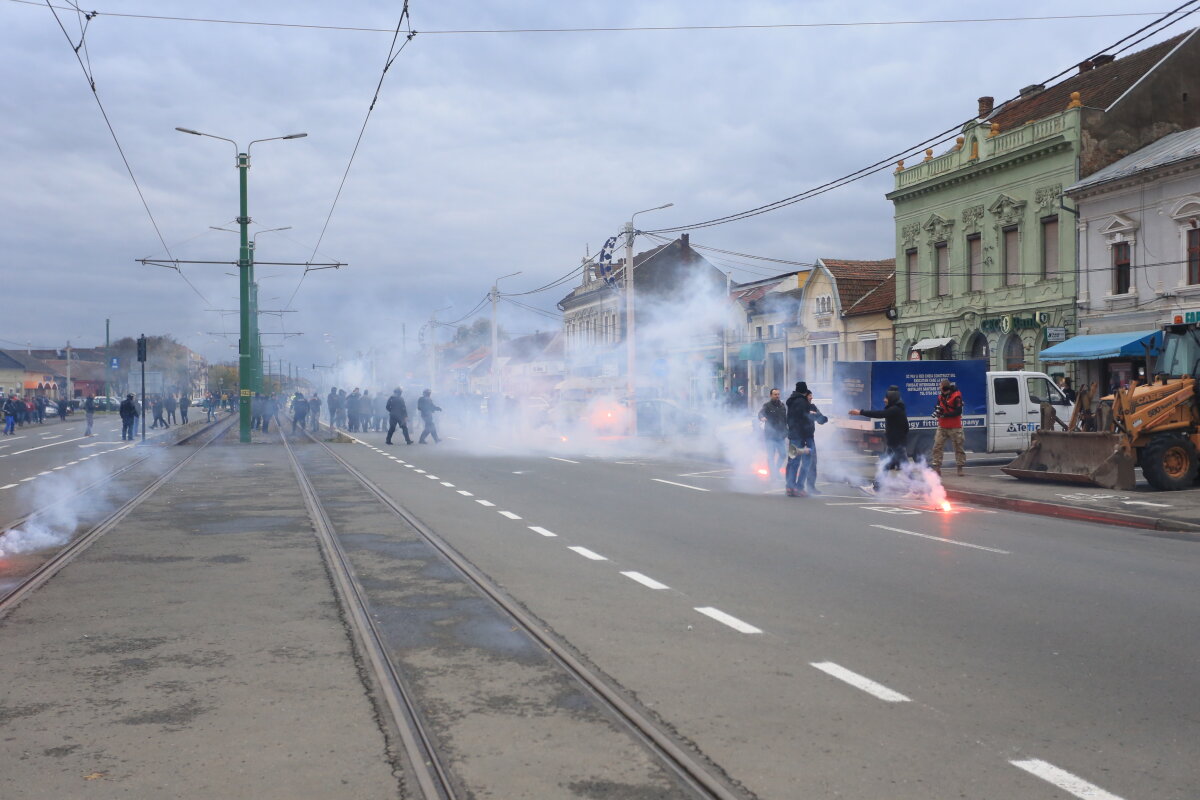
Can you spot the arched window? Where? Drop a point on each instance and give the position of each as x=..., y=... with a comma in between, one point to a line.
x=1014, y=353
x=978, y=348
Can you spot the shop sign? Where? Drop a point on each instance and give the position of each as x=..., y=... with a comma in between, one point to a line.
x=1056, y=334
x=915, y=355
x=1009, y=323
x=1191, y=316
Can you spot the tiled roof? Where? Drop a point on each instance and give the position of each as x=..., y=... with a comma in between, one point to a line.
x=1171, y=149
x=28, y=363
x=1098, y=88
x=864, y=287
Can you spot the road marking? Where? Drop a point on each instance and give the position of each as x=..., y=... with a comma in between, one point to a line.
x=583, y=551
x=8, y=486
x=644, y=581
x=420, y=472
x=432, y=477
x=859, y=503
x=942, y=540
x=410, y=466
x=485, y=503
x=1064, y=780
x=64, y=466
x=684, y=485
x=859, y=682
x=30, y=478
x=55, y=436
x=567, y=460
x=69, y=463
x=52, y=444
x=508, y=514
x=702, y=474
x=465, y=493
x=733, y=622
x=45, y=472
x=448, y=483
x=1144, y=503
x=542, y=531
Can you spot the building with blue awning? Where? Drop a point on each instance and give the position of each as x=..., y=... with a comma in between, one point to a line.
x=1097, y=346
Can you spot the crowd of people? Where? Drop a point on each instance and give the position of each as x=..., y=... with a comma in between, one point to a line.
x=21, y=411
x=359, y=411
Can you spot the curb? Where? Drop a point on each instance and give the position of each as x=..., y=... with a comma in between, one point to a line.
x=1102, y=517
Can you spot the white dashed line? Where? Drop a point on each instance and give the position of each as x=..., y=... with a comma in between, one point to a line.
x=410, y=466
x=733, y=622
x=46, y=472
x=465, y=493
x=70, y=463
x=566, y=460
x=942, y=540
x=644, y=581
x=508, y=514
x=542, y=531
x=859, y=682
x=1064, y=780
x=419, y=471
x=583, y=551
x=448, y=483
x=485, y=503
x=684, y=485
x=64, y=466
x=30, y=478
x=433, y=477
x=9, y=486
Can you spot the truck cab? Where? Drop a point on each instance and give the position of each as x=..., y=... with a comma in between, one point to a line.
x=1014, y=408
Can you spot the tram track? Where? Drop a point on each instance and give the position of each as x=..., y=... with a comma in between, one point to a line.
x=698, y=777
x=80, y=542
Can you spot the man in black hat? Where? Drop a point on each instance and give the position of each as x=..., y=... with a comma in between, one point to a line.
x=129, y=415
x=800, y=439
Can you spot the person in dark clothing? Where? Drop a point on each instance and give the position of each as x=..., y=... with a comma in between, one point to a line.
x=269, y=407
x=331, y=403
x=185, y=403
x=11, y=411
x=61, y=408
x=129, y=415
x=170, y=404
x=397, y=416
x=157, y=406
x=773, y=416
x=314, y=412
x=895, y=430
x=299, y=412
x=426, y=406
x=89, y=413
x=800, y=440
x=352, y=410
x=820, y=419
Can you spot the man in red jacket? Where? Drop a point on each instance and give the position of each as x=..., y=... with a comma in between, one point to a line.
x=949, y=415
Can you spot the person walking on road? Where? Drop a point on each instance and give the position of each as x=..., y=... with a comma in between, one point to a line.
x=314, y=412
x=299, y=412
x=948, y=411
x=426, y=406
x=773, y=416
x=397, y=416
x=89, y=413
x=800, y=440
x=157, y=406
x=331, y=403
x=170, y=404
x=61, y=408
x=352, y=411
x=269, y=407
x=129, y=415
x=185, y=403
x=10, y=414
x=895, y=432
x=820, y=419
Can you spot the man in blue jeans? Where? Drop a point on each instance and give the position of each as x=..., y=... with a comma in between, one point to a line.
x=773, y=416
x=800, y=440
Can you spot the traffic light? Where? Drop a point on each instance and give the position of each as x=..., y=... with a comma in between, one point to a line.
x=141, y=343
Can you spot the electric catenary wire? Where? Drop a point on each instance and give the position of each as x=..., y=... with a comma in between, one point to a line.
x=90, y=76
x=1157, y=26
x=393, y=54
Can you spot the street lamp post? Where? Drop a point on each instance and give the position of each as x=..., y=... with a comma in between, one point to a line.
x=630, y=341
x=495, y=295
x=247, y=368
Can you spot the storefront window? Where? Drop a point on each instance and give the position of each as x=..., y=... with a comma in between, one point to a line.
x=1014, y=353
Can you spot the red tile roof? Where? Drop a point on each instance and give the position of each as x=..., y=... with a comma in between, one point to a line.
x=864, y=287
x=1098, y=88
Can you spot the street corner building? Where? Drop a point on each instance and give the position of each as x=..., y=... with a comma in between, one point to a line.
x=986, y=246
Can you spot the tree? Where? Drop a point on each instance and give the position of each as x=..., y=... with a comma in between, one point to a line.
x=223, y=378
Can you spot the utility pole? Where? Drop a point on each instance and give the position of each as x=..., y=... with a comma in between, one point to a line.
x=141, y=353
x=70, y=394
x=630, y=337
x=433, y=348
x=245, y=277
x=727, y=382
x=495, y=296
x=107, y=360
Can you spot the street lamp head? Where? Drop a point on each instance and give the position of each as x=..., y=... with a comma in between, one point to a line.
x=295, y=136
x=189, y=130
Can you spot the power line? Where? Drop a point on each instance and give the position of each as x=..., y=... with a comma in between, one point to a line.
x=622, y=29
x=1164, y=21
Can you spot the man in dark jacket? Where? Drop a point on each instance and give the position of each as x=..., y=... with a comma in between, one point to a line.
x=314, y=412
x=185, y=403
x=895, y=429
x=352, y=411
x=299, y=412
x=331, y=403
x=89, y=413
x=129, y=415
x=773, y=416
x=397, y=416
x=800, y=440
x=11, y=410
x=426, y=407
x=170, y=404
x=157, y=406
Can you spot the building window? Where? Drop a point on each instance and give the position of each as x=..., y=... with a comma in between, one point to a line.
x=1014, y=353
x=1012, y=256
x=1193, y=255
x=978, y=349
x=1120, y=257
x=975, y=261
x=910, y=274
x=941, y=267
x=770, y=331
x=1050, y=247
x=758, y=332
x=870, y=352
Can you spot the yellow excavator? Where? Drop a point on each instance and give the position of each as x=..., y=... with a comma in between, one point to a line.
x=1155, y=426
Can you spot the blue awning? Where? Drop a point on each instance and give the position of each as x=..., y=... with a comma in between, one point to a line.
x=1104, y=345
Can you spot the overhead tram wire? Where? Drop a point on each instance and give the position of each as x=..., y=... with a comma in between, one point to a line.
x=629, y=29
x=393, y=54
x=91, y=79
x=1157, y=26
x=534, y=310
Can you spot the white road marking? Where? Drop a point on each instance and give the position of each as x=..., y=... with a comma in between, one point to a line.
x=731, y=621
x=684, y=485
x=64, y=466
x=8, y=486
x=542, y=531
x=30, y=478
x=465, y=493
x=1064, y=780
x=44, y=472
x=410, y=466
x=567, y=460
x=52, y=444
x=448, y=483
x=420, y=471
x=485, y=503
x=1144, y=503
x=432, y=477
x=644, y=581
x=859, y=682
x=508, y=514
x=583, y=551
x=702, y=474
x=55, y=436
x=942, y=540
x=69, y=463
x=860, y=503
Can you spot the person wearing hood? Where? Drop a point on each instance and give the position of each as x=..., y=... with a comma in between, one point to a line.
x=299, y=412
x=129, y=415
x=397, y=416
x=426, y=406
x=800, y=440
x=895, y=428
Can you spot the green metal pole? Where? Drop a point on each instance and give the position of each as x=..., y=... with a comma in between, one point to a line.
x=245, y=343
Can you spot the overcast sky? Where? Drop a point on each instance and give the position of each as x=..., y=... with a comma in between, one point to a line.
x=487, y=153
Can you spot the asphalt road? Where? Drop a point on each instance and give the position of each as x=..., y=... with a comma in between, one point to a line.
x=840, y=646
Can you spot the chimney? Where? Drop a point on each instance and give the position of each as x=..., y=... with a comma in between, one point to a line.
x=985, y=106
x=1101, y=60
x=1032, y=89
x=683, y=241
x=1086, y=66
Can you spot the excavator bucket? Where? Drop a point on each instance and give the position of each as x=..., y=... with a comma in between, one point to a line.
x=1075, y=457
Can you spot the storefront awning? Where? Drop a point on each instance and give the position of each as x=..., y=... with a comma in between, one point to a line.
x=931, y=344
x=1104, y=345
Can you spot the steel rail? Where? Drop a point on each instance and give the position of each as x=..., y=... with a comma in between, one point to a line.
x=691, y=771
x=80, y=543
x=430, y=774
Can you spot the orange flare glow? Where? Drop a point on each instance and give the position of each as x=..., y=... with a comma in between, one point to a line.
x=945, y=505
x=763, y=472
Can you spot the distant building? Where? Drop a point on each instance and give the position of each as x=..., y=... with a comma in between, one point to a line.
x=762, y=349
x=28, y=376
